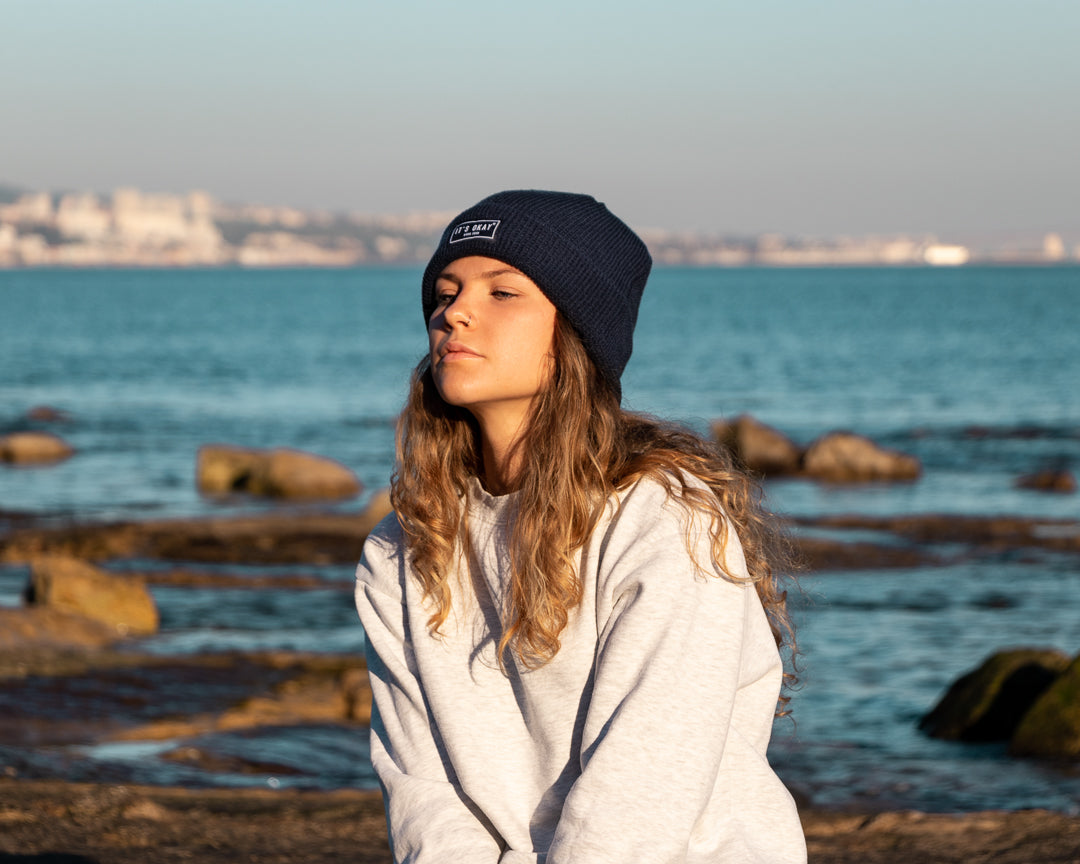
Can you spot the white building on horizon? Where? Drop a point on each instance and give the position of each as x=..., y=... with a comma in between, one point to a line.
x=82, y=216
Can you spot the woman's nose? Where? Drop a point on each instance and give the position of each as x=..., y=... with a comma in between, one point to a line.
x=459, y=311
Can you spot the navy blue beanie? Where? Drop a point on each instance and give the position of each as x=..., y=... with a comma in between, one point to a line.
x=587, y=262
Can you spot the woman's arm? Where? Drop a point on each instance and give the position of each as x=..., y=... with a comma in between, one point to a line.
x=674, y=649
x=429, y=818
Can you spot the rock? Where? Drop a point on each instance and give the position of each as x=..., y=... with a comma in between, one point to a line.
x=1048, y=481
x=838, y=457
x=823, y=553
x=221, y=469
x=110, y=822
x=978, y=533
x=1051, y=727
x=294, y=474
x=843, y=457
x=33, y=448
x=143, y=808
x=277, y=473
x=1004, y=837
x=317, y=689
x=47, y=414
x=71, y=586
x=759, y=447
x=42, y=627
x=987, y=704
x=280, y=537
x=60, y=822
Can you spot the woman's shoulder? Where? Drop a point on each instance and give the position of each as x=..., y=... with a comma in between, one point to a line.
x=383, y=554
x=653, y=504
x=672, y=514
x=665, y=490
x=387, y=533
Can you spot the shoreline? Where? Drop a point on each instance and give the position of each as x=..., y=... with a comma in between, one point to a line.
x=84, y=823
x=324, y=537
x=79, y=823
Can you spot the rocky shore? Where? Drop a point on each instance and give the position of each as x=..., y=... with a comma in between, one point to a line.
x=316, y=538
x=63, y=683
x=73, y=823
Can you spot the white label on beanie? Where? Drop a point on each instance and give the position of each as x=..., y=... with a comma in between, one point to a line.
x=477, y=229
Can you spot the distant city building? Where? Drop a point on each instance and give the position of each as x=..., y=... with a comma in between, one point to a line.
x=131, y=228
x=165, y=220
x=7, y=245
x=1053, y=247
x=31, y=208
x=945, y=255
x=282, y=249
x=82, y=216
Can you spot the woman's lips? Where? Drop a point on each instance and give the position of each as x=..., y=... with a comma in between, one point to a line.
x=457, y=351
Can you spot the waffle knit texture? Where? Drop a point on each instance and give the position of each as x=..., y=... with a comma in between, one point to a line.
x=587, y=262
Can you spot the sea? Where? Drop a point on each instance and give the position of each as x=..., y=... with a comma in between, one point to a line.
x=974, y=370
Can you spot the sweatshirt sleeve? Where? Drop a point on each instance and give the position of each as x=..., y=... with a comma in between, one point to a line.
x=429, y=817
x=666, y=675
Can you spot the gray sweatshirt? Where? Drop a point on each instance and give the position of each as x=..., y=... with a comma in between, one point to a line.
x=642, y=740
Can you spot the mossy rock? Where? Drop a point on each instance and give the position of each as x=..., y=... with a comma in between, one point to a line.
x=1051, y=728
x=988, y=703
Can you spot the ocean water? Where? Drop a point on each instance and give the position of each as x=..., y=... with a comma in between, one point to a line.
x=974, y=370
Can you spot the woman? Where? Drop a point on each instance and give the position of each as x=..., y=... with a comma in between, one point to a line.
x=572, y=655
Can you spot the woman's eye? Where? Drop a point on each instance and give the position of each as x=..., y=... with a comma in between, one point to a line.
x=500, y=294
x=444, y=297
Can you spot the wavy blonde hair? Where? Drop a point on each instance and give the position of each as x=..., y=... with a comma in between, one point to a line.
x=579, y=448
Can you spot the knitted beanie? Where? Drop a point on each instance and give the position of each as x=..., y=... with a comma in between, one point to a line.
x=587, y=262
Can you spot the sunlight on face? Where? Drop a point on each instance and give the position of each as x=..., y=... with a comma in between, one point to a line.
x=491, y=339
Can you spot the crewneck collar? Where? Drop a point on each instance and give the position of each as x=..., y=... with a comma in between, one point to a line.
x=487, y=507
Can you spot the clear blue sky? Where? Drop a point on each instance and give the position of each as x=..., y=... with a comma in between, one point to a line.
x=800, y=117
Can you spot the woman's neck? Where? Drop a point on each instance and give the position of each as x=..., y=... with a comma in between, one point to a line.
x=501, y=465
x=500, y=448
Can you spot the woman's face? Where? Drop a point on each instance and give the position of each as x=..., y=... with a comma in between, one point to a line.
x=491, y=340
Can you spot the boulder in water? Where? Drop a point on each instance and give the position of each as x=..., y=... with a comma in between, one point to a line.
x=39, y=627
x=33, y=448
x=47, y=414
x=1062, y=482
x=844, y=457
x=988, y=703
x=276, y=473
x=72, y=586
x=759, y=447
x=1051, y=727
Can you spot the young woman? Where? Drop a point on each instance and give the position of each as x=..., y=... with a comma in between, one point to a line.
x=572, y=617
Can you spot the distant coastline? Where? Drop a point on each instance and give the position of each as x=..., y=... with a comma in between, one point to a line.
x=130, y=228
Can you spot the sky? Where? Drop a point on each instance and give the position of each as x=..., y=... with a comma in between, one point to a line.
x=953, y=117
